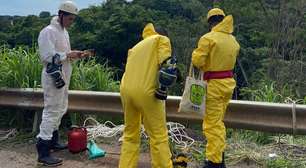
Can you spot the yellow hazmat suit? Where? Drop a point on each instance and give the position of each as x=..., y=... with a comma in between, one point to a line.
x=217, y=51
x=138, y=85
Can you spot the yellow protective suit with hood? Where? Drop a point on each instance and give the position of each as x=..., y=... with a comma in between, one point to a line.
x=137, y=88
x=217, y=51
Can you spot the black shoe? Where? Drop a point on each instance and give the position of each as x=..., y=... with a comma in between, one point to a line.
x=44, y=157
x=55, y=145
x=210, y=164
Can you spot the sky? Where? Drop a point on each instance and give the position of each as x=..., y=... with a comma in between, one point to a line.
x=34, y=7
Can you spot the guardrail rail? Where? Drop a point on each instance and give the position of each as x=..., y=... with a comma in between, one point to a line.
x=259, y=116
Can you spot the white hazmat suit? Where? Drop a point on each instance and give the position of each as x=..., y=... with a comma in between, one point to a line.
x=52, y=40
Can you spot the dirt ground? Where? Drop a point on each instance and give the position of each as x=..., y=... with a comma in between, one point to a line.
x=24, y=156
x=20, y=152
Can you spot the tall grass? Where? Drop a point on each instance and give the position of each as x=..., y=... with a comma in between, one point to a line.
x=21, y=68
x=88, y=75
x=267, y=91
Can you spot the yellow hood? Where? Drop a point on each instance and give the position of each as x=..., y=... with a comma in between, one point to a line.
x=226, y=26
x=149, y=30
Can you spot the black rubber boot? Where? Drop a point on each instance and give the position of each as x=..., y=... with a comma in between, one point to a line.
x=44, y=157
x=223, y=161
x=55, y=142
x=210, y=164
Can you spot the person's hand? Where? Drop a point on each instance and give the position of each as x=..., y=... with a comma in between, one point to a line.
x=88, y=53
x=72, y=55
x=84, y=54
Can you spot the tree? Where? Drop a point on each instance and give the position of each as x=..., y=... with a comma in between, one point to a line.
x=44, y=14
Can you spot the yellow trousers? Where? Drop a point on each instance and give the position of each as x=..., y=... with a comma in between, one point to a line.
x=140, y=107
x=219, y=93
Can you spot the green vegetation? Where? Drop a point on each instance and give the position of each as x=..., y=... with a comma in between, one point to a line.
x=258, y=147
x=271, y=66
x=88, y=75
x=271, y=33
x=21, y=68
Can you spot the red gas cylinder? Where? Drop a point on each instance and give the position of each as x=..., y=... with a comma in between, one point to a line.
x=77, y=139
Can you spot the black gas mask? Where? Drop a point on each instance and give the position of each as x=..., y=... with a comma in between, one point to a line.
x=54, y=69
x=167, y=76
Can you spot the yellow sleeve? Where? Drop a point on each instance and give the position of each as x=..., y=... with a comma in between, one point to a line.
x=238, y=50
x=200, y=54
x=164, y=49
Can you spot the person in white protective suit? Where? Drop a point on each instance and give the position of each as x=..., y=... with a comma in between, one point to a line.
x=56, y=56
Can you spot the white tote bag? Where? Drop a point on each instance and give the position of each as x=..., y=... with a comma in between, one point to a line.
x=194, y=96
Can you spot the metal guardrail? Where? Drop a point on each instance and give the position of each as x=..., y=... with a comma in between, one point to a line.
x=260, y=116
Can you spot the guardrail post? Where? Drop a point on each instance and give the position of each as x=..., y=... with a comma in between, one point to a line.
x=20, y=118
x=37, y=121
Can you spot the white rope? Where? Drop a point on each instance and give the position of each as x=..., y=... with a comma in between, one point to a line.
x=178, y=135
x=106, y=130
x=4, y=135
x=176, y=132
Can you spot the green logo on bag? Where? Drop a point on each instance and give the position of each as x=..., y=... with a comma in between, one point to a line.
x=197, y=93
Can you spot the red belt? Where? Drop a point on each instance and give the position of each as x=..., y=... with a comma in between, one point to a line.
x=218, y=74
